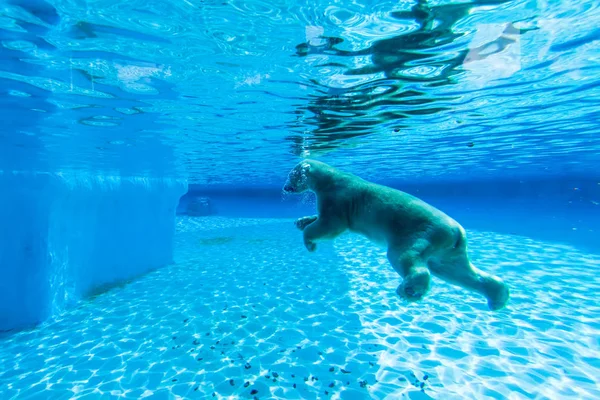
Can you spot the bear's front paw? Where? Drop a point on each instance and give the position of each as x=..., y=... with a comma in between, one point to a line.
x=303, y=222
x=310, y=246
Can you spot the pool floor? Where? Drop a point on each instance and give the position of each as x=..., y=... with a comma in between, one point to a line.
x=246, y=312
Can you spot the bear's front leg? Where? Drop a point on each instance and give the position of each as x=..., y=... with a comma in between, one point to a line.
x=303, y=222
x=322, y=229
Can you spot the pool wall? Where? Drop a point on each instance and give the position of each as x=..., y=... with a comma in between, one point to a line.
x=68, y=236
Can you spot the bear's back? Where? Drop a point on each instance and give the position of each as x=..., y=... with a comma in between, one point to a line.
x=380, y=212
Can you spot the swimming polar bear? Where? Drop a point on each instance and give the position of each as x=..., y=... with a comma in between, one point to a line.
x=420, y=238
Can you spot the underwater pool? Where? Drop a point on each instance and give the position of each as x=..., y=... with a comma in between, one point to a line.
x=243, y=315
x=147, y=249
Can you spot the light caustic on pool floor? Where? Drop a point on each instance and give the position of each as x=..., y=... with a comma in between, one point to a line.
x=246, y=312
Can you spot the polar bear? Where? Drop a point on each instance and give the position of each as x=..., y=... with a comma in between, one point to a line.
x=420, y=239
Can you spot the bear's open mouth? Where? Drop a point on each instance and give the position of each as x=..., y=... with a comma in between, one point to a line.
x=288, y=189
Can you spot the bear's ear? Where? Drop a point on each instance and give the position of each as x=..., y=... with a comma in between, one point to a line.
x=305, y=167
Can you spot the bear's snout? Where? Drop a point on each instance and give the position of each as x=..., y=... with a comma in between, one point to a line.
x=288, y=188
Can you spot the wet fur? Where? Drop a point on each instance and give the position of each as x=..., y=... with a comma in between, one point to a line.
x=420, y=238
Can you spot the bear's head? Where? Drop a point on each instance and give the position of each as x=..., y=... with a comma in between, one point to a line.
x=298, y=180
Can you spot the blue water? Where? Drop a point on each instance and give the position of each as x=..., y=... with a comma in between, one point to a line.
x=204, y=88
x=113, y=285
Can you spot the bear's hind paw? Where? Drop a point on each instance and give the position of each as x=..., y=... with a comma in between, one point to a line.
x=497, y=293
x=408, y=294
x=415, y=285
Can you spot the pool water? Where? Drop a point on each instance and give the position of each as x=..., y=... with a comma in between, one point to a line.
x=247, y=312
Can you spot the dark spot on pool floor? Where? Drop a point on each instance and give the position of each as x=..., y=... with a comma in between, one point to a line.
x=216, y=240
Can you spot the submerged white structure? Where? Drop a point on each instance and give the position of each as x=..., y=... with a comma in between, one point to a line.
x=66, y=236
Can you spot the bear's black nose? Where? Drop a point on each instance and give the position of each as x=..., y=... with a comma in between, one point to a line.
x=288, y=188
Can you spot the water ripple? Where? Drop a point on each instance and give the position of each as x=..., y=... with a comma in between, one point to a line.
x=350, y=82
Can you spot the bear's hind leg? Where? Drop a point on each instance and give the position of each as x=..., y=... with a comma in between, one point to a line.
x=410, y=263
x=454, y=267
